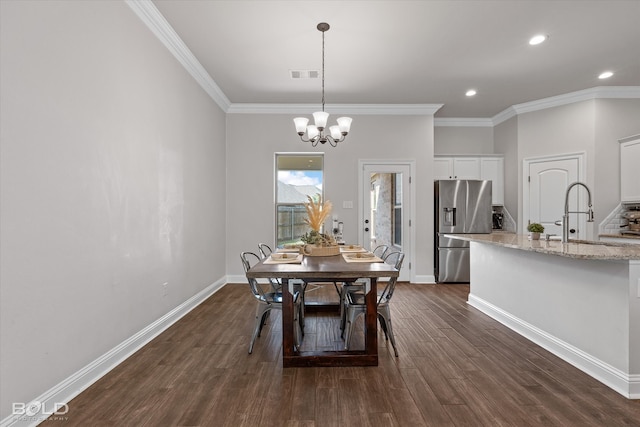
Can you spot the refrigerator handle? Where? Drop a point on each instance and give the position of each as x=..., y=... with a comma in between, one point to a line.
x=449, y=217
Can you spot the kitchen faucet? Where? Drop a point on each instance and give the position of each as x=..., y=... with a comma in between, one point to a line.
x=565, y=217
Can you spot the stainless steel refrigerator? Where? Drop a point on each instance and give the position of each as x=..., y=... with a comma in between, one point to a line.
x=461, y=206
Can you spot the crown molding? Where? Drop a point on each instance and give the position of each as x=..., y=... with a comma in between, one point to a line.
x=599, y=92
x=503, y=116
x=462, y=122
x=151, y=16
x=364, y=109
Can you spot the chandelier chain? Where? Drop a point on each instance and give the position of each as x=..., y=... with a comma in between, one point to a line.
x=323, y=71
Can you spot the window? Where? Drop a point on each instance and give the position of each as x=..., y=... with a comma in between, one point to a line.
x=297, y=176
x=397, y=209
x=386, y=209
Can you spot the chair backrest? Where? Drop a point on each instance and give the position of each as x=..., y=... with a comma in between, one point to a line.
x=380, y=251
x=249, y=259
x=265, y=250
x=395, y=259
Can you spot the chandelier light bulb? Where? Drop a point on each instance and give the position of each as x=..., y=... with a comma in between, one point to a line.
x=345, y=124
x=301, y=124
x=320, y=118
x=335, y=132
x=312, y=132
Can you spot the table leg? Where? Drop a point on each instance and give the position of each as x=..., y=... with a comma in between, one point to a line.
x=371, y=320
x=287, y=320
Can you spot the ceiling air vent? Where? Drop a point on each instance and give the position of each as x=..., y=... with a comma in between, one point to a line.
x=305, y=74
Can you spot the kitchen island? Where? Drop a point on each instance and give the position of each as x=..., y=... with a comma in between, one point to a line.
x=580, y=300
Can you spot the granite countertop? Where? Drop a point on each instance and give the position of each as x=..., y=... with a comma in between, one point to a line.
x=573, y=249
x=622, y=236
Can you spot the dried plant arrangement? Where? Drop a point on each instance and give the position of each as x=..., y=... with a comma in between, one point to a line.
x=317, y=213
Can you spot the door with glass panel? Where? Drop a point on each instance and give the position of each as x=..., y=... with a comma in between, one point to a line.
x=386, y=209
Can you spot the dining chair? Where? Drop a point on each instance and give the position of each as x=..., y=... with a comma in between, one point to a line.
x=268, y=300
x=298, y=285
x=265, y=251
x=379, y=251
x=355, y=305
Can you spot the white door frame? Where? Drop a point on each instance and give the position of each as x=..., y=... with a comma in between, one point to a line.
x=362, y=163
x=526, y=162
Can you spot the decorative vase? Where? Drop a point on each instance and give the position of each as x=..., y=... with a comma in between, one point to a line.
x=535, y=236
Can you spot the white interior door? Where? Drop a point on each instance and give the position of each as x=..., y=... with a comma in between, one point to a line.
x=385, y=214
x=546, y=185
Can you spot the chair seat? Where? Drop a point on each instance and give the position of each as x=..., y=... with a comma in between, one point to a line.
x=357, y=298
x=276, y=297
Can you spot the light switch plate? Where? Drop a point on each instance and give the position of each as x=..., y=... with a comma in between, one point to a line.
x=347, y=204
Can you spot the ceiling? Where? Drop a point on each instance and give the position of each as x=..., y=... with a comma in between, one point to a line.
x=410, y=52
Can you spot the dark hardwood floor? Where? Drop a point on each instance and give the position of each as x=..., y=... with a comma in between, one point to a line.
x=457, y=367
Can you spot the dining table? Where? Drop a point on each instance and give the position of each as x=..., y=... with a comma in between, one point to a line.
x=344, y=267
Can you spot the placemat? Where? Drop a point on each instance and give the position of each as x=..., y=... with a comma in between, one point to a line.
x=361, y=257
x=284, y=258
x=351, y=249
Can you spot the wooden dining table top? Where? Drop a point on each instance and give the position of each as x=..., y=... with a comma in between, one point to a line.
x=318, y=267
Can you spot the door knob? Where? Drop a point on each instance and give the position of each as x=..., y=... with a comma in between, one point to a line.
x=366, y=221
x=366, y=229
x=572, y=231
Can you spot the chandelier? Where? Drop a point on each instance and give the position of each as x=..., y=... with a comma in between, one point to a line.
x=315, y=133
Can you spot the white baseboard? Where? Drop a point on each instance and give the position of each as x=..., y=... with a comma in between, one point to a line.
x=424, y=279
x=72, y=386
x=239, y=279
x=623, y=383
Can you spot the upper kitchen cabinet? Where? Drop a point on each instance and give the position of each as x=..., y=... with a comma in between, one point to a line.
x=630, y=169
x=473, y=167
x=456, y=168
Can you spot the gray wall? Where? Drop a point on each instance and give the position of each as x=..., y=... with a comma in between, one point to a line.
x=463, y=140
x=252, y=140
x=615, y=119
x=506, y=143
x=592, y=127
x=112, y=183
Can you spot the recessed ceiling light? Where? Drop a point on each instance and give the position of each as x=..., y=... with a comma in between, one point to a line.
x=605, y=75
x=537, y=39
x=471, y=92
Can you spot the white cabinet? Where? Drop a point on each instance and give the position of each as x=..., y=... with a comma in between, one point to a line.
x=442, y=168
x=492, y=168
x=473, y=167
x=456, y=168
x=466, y=167
x=630, y=169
